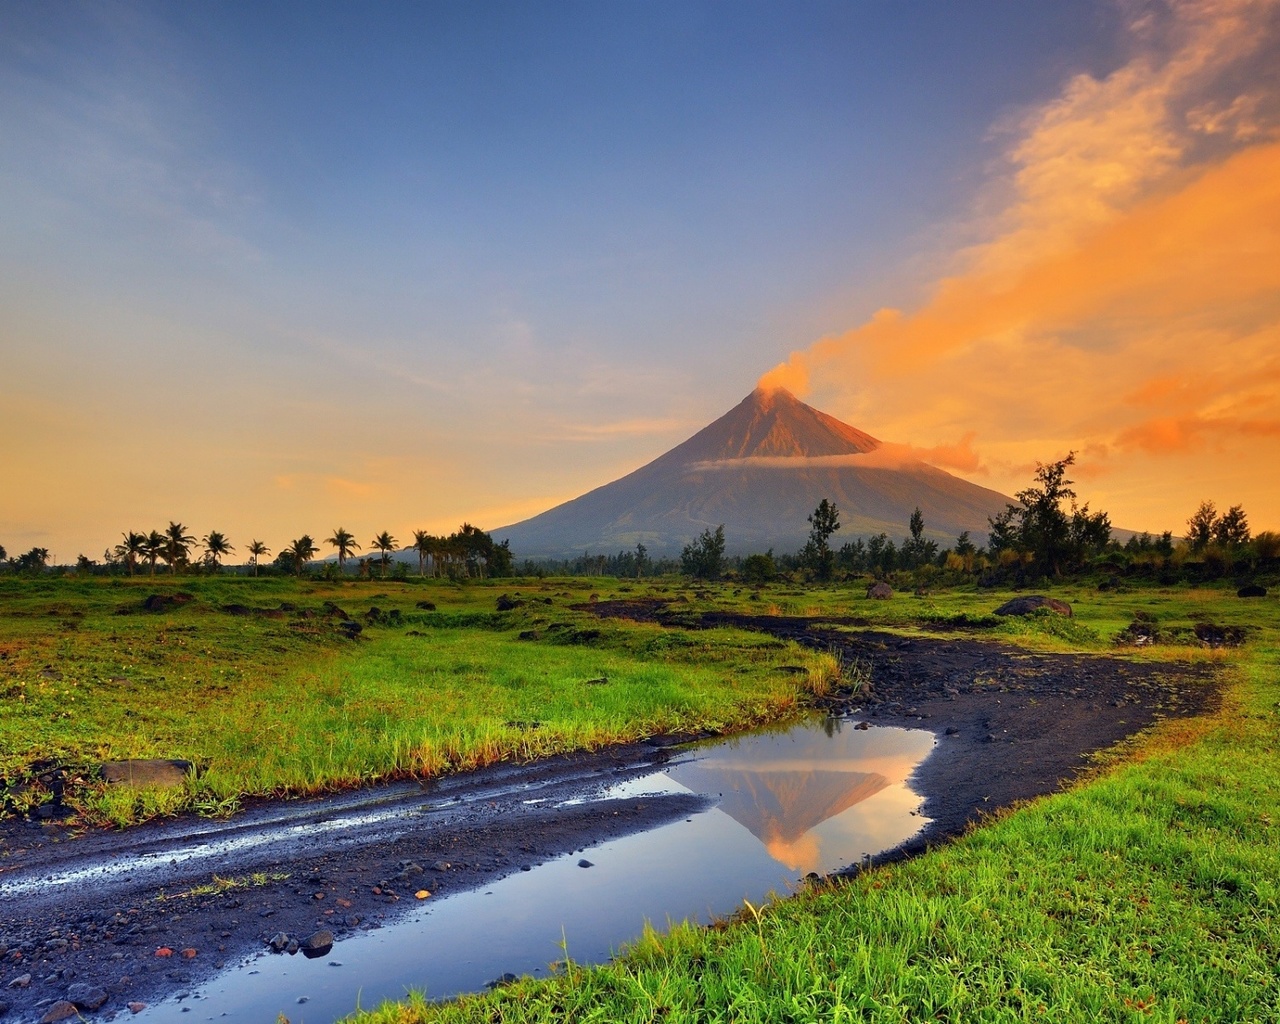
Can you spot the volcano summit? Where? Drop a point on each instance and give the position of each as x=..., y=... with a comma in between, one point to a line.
x=760, y=469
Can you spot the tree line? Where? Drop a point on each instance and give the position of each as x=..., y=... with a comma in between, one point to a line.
x=468, y=552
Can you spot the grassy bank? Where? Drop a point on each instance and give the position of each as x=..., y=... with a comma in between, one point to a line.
x=271, y=701
x=1147, y=894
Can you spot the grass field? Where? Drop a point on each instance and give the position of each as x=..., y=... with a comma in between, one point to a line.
x=1148, y=893
x=288, y=704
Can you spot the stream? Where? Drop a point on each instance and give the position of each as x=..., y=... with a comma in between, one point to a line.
x=808, y=798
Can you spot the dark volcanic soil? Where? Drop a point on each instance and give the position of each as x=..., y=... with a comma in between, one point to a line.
x=94, y=909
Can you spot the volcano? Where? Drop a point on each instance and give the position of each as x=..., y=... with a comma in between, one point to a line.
x=760, y=470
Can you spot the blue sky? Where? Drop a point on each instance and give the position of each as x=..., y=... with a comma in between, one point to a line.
x=272, y=267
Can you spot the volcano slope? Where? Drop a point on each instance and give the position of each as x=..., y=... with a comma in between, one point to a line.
x=759, y=471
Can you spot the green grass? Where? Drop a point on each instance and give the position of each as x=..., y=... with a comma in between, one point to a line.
x=287, y=705
x=1147, y=893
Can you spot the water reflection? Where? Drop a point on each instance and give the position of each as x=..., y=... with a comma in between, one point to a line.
x=813, y=797
x=793, y=789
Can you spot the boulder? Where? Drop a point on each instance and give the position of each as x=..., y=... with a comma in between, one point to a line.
x=163, y=602
x=1033, y=603
x=139, y=773
x=318, y=943
x=86, y=997
x=508, y=603
x=1252, y=590
x=880, y=591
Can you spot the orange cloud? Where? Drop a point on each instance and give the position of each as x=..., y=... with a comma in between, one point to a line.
x=1128, y=303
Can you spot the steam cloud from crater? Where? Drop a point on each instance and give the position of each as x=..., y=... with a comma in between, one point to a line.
x=1127, y=304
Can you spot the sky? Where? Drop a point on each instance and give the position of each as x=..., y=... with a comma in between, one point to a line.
x=276, y=268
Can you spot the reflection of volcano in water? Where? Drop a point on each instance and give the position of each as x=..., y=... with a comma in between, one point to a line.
x=784, y=786
x=780, y=805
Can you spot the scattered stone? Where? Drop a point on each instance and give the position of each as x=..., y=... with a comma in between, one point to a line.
x=350, y=628
x=1219, y=636
x=1033, y=602
x=159, y=774
x=426, y=606
x=61, y=1010
x=164, y=951
x=952, y=730
x=408, y=868
x=136, y=1007
x=189, y=953
x=441, y=865
x=1252, y=590
x=21, y=981
x=278, y=942
x=508, y=603
x=879, y=591
x=86, y=997
x=163, y=602
x=584, y=863
x=318, y=943
x=863, y=726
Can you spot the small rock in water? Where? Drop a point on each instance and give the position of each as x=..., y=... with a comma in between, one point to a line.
x=501, y=980
x=584, y=863
x=278, y=942
x=136, y=1007
x=318, y=943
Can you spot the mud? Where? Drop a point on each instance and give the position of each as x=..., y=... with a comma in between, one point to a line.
x=96, y=908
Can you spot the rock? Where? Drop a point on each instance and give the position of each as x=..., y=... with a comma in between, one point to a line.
x=86, y=997
x=508, y=603
x=408, y=867
x=1032, y=603
x=163, y=602
x=528, y=634
x=584, y=863
x=318, y=943
x=21, y=981
x=136, y=1007
x=160, y=774
x=880, y=591
x=350, y=628
x=1252, y=590
x=237, y=609
x=426, y=606
x=61, y=1010
x=279, y=942
x=329, y=608
x=52, y=674
x=441, y=865
x=952, y=730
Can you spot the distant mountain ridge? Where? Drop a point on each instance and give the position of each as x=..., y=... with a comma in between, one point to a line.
x=760, y=469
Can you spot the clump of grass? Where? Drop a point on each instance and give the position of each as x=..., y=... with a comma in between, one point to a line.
x=218, y=885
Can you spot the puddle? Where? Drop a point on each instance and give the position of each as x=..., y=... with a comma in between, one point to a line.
x=812, y=797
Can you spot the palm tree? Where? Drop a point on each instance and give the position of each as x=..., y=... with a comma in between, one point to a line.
x=345, y=543
x=133, y=545
x=385, y=543
x=154, y=548
x=177, y=545
x=215, y=546
x=423, y=543
x=302, y=550
x=256, y=550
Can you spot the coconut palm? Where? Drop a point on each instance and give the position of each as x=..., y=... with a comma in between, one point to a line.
x=133, y=545
x=256, y=550
x=177, y=545
x=385, y=543
x=215, y=547
x=153, y=548
x=345, y=543
x=423, y=544
x=302, y=551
